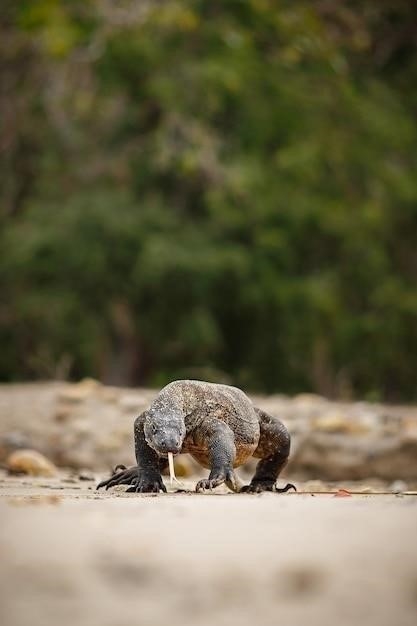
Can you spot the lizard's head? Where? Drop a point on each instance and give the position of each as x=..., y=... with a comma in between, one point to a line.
x=164, y=431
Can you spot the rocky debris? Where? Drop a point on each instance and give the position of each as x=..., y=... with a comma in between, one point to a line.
x=30, y=462
x=79, y=391
x=398, y=486
x=88, y=476
x=342, y=493
x=340, y=457
x=340, y=423
x=89, y=427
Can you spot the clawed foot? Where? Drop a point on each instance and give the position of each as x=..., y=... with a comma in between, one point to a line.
x=208, y=483
x=141, y=482
x=147, y=484
x=259, y=486
x=215, y=479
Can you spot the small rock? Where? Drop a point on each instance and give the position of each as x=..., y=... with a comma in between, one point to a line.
x=342, y=493
x=366, y=489
x=30, y=462
x=398, y=486
x=86, y=476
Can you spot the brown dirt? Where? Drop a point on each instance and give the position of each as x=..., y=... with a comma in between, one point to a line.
x=73, y=555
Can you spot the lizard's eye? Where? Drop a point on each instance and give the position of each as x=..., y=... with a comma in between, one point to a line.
x=154, y=429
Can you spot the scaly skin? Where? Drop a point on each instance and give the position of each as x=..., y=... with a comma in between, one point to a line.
x=218, y=425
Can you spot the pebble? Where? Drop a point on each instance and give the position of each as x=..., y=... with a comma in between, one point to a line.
x=398, y=486
x=86, y=476
x=30, y=462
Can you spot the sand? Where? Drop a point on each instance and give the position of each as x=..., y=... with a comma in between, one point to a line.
x=74, y=556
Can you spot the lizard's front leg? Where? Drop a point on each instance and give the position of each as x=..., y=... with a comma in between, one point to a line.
x=218, y=438
x=149, y=479
x=146, y=476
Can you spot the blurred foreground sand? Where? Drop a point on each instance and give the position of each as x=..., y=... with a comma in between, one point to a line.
x=70, y=555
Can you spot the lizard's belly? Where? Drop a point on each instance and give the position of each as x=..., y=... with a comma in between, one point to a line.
x=201, y=455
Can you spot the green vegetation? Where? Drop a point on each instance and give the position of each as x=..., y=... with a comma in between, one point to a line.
x=223, y=190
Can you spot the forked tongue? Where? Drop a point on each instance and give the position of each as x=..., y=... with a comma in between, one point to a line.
x=172, y=470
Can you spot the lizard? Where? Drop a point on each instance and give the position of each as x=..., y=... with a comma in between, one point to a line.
x=219, y=426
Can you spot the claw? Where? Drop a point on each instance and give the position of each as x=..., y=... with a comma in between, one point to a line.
x=140, y=483
x=287, y=487
x=208, y=483
x=124, y=477
x=200, y=486
x=259, y=487
x=101, y=484
x=120, y=466
x=141, y=487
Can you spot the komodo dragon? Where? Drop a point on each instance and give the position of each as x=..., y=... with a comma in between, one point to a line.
x=218, y=425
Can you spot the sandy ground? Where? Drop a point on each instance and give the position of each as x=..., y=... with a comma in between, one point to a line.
x=71, y=555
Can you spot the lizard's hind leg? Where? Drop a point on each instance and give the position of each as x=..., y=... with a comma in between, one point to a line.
x=273, y=450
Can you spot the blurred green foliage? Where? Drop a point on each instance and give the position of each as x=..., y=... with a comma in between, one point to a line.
x=221, y=190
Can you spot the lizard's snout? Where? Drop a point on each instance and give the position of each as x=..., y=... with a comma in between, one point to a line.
x=169, y=446
x=164, y=436
x=169, y=442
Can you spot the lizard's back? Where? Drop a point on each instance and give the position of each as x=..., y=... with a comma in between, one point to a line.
x=203, y=402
